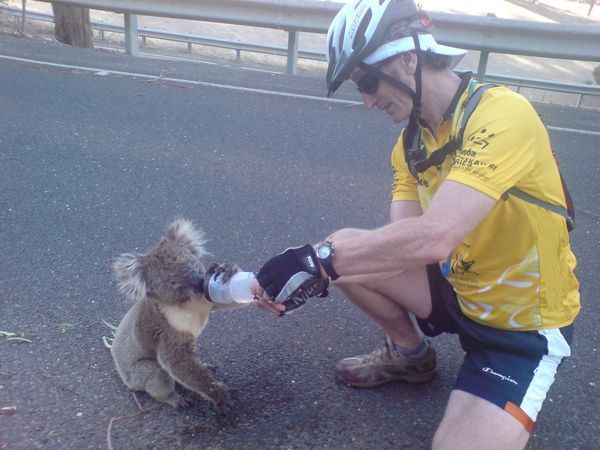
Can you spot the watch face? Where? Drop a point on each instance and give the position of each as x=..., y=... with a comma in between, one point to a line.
x=323, y=252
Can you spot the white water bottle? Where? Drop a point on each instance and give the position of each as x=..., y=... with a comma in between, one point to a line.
x=236, y=290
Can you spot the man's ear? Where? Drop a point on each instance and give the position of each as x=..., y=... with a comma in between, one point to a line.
x=408, y=62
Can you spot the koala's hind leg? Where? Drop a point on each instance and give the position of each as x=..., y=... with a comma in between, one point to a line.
x=147, y=375
x=180, y=360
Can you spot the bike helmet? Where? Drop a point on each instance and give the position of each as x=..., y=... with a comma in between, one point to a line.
x=369, y=31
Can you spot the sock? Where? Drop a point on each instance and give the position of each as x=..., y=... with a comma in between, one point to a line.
x=418, y=352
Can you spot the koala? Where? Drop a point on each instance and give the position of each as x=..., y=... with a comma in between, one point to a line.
x=153, y=348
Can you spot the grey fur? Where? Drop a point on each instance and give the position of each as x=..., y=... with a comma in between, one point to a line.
x=154, y=344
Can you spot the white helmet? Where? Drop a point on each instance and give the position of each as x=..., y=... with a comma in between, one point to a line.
x=358, y=31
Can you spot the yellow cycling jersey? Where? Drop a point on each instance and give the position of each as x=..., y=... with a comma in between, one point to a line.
x=514, y=271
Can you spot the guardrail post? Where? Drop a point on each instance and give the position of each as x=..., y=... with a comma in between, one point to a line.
x=292, y=58
x=132, y=46
x=23, y=15
x=483, y=60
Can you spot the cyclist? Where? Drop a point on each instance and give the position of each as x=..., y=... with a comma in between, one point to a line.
x=477, y=244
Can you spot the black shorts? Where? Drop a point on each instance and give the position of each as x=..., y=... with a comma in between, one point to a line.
x=512, y=369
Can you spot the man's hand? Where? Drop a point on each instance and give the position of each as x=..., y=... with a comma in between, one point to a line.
x=267, y=305
x=290, y=278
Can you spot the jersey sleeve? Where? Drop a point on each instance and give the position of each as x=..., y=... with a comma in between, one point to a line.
x=404, y=185
x=498, y=144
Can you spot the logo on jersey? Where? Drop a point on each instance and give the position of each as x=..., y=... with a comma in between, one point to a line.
x=457, y=266
x=481, y=138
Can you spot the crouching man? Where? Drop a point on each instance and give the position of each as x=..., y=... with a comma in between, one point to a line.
x=478, y=242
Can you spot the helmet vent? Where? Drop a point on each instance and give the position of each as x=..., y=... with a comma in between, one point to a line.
x=359, y=35
x=330, y=44
x=340, y=45
x=332, y=60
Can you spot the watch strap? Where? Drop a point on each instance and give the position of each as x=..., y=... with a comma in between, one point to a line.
x=327, y=263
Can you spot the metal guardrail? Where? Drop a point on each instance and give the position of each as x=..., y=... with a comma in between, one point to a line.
x=290, y=15
x=484, y=34
x=293, y=16
x=490, y=34
x=189, y=39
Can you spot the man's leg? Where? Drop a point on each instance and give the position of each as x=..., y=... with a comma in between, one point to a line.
x=471, y=422
x=404, y=355
x=388, y=302
x=388, y=298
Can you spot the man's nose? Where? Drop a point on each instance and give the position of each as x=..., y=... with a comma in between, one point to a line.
x=369, y=100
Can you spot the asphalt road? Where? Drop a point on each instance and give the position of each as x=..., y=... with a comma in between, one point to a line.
x=95, y=164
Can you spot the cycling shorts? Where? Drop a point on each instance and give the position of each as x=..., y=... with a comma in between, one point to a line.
x=512, y=369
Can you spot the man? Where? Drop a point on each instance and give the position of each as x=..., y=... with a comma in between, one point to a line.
x=477, y=244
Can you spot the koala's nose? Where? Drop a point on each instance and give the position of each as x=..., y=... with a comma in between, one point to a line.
x=197, y=282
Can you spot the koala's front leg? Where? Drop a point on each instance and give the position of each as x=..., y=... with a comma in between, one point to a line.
x=178, y=358
x=225, y=271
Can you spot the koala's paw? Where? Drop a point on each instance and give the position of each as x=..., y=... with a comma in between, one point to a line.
x=184, y=402
x=177, y=401
x=225, y=271
x=221, y=398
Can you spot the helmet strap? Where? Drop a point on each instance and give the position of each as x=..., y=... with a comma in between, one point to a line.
x=417, y=97
x=413, y=120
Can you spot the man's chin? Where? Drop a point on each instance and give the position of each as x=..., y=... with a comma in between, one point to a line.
x=398, y=119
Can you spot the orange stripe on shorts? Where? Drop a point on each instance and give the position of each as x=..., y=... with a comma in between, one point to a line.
x=520, y=415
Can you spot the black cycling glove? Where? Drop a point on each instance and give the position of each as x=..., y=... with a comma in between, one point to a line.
x=293, y=276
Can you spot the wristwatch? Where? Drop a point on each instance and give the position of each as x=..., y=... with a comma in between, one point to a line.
x=325, y=252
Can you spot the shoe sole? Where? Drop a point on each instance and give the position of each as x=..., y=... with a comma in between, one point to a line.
x=412, y=379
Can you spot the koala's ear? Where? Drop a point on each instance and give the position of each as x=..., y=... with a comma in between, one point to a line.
x=130, y=276
x=183, y=233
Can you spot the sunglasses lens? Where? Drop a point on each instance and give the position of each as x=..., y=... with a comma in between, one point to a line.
x=368, y=84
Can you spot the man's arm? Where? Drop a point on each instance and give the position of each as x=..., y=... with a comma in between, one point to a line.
x=399, y=210
x=414, y=241
x=406, y=243
x=404, y=209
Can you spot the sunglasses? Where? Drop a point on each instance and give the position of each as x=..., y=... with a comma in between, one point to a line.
x=369, y=83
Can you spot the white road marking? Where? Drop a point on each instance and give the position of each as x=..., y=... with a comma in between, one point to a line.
x=180, y=80
x=573, y=130
x=233, y=88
